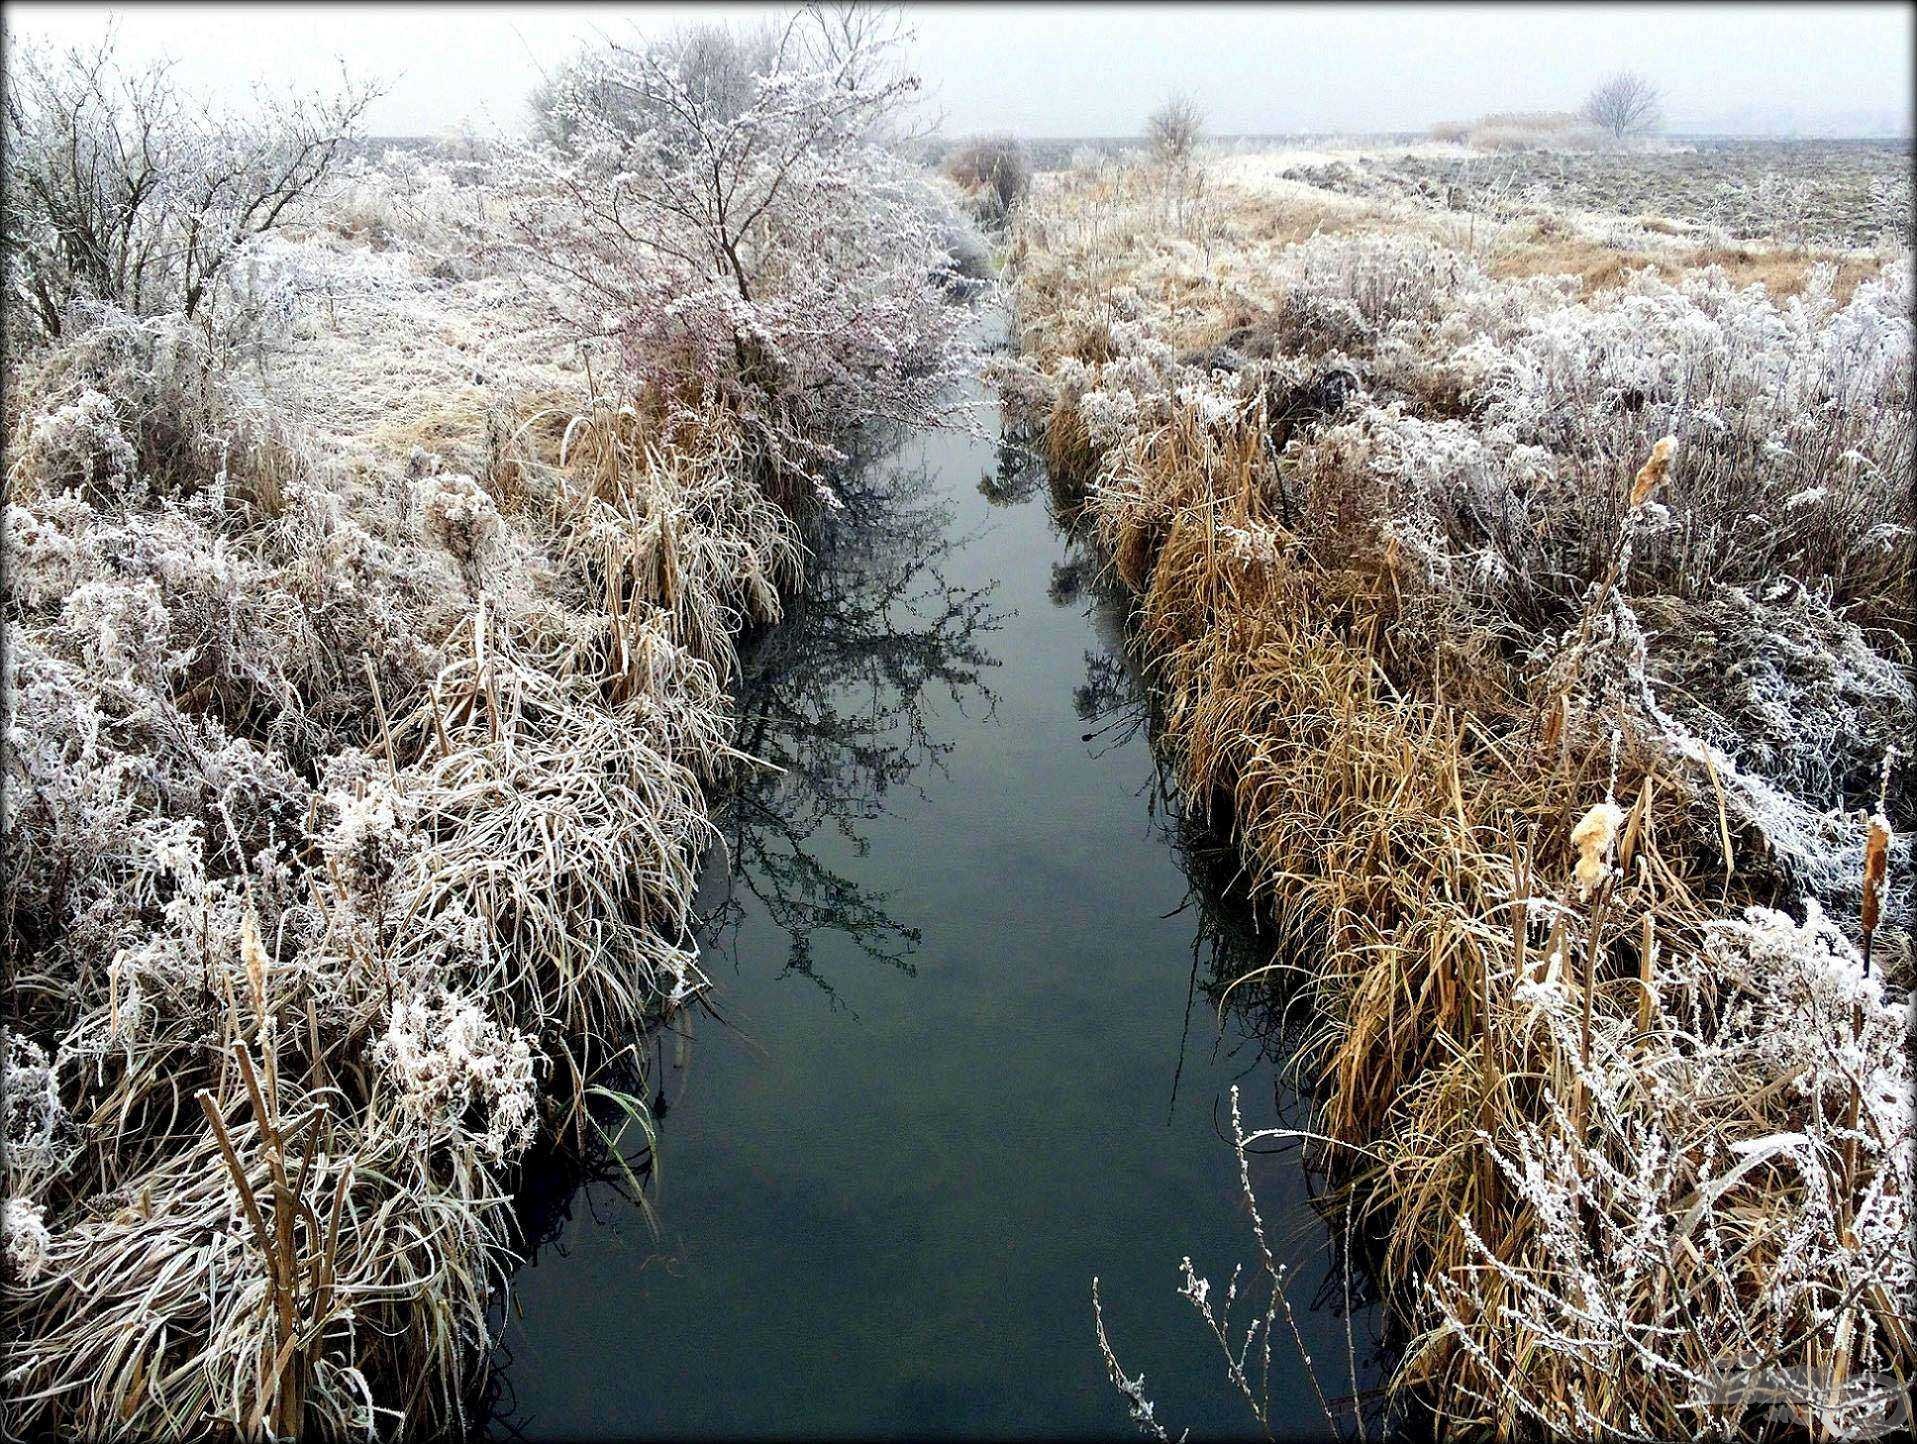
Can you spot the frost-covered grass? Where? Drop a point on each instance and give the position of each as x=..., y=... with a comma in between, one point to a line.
x=347, y=808
x=1551, y=748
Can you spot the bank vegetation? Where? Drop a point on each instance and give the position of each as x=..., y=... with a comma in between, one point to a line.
x=379, y=533
x=1545, y=649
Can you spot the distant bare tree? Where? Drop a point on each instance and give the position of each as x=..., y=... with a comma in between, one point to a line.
x=1173, y=129
x=1625, y=105
x=124, y=189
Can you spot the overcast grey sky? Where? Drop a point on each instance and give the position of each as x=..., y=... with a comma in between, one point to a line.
x=1047, y=70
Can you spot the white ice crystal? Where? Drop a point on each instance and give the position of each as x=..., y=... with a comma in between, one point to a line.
x=27, y=1242
x=449, y=1061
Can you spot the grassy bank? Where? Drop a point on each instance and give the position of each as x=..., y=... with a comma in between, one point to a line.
x=355, y=797
x=1557, y=750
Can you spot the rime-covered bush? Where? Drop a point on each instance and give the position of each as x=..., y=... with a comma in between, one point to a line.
x=124, y=190
x=448, y=1061
x=765, y=258
x=1658, y=1249
x=128, y=403
x=994, y=171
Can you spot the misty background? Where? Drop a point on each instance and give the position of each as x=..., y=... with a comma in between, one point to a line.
x=1084, y=70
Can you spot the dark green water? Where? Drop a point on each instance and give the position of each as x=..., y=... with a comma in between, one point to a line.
x=957, y=1066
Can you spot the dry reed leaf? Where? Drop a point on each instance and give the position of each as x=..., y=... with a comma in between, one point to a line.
x=253, y=957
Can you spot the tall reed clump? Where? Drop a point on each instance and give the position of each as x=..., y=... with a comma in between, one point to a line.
x=1595, y=1043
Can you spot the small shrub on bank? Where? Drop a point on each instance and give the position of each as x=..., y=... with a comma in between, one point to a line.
x=797, y=282
x=995, y=172
x=1532, y=130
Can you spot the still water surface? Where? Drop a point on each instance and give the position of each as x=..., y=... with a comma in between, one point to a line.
x=955, y=1066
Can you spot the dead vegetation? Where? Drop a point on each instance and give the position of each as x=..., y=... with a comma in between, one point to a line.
x=351, y=841
x=1552, y=748
x=1600, y=266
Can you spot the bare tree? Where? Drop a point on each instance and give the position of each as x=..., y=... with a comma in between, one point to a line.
x=1625, y=105
x=867, y=43
x=121, y=188
x=721, y=63
x=871, y=37
x=1172, y=131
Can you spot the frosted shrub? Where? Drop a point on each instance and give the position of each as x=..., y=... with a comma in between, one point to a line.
x=120, y=629
x=33, y=1122
x=126, y=191
x=459, y=513
x=53, y=548
x=155, y=404
x=372, y=836
x=25, y=1243
x=759, y=253
x=80, y=444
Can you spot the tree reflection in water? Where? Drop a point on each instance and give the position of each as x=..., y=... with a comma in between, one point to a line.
x=835, y=698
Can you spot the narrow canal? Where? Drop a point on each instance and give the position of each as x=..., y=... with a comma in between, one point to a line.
x=956, y=1063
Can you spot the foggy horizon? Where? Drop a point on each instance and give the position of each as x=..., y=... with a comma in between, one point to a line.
x=1094, y=71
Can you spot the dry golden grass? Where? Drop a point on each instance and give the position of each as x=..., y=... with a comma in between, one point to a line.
x=1399, y=840
x=1288, y=220
x=439, y=422
x=1600, y=267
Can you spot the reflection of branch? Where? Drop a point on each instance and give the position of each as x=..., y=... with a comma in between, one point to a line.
x=834, y=699
x=1015, y=475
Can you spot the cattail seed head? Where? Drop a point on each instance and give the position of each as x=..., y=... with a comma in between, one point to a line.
x=1594, y=837
x=1650, y=476
x=253, y=956
x=1876, y=866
